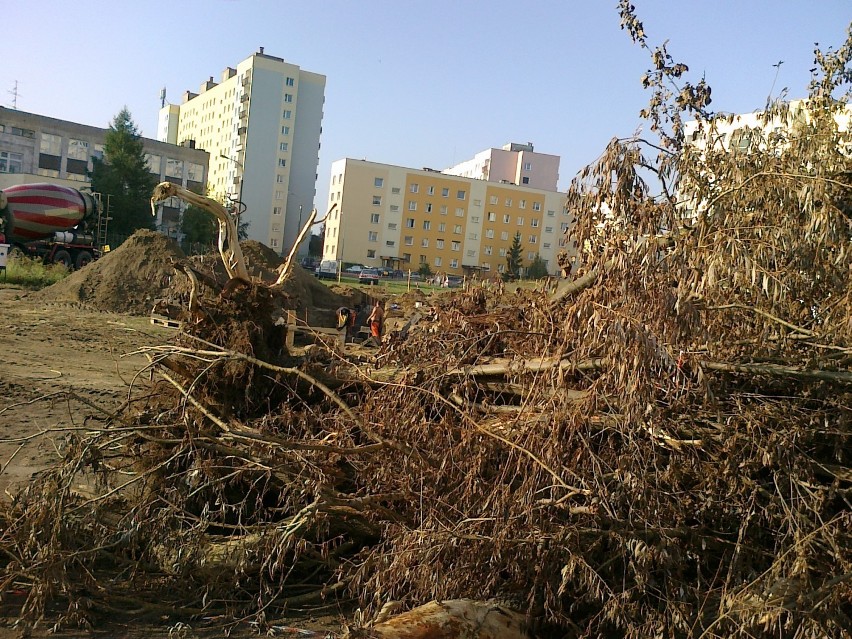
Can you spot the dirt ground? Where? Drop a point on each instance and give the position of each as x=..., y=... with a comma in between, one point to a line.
x=61, y=366
x=47, y=353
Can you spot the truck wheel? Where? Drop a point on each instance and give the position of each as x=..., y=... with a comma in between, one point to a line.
x=83, y=258
x=62, y=257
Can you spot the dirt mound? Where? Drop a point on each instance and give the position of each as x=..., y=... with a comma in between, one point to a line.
x=126, y=280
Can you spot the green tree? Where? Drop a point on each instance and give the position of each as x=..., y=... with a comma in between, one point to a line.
x=537, y=269
x=513, y=260
x=123, y=174
x=424, y=270
x=198, y=227
x=316, y=243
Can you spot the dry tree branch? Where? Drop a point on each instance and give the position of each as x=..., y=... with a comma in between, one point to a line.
x=229, y=244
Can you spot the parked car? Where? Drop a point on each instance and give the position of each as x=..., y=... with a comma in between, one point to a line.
x=327, y=270
x=455, y=281
x=355, y=268
x=369, y=276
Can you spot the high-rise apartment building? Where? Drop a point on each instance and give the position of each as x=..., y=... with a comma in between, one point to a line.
x=398, y=217
x=513, y=164
x=261, y=124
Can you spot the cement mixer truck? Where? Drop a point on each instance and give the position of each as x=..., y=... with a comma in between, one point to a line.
x=54, y=223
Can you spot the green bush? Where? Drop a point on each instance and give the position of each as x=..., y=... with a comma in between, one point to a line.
x=32, y=274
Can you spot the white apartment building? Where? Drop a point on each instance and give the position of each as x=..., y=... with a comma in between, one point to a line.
x=261, y=124
x=400, y=218
x=513, y=164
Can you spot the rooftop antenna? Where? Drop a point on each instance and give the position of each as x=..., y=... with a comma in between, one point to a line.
x=772, y=88
x=162, y=97
x=14, y=93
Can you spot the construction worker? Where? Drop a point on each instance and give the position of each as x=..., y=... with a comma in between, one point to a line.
x=346, y=321
x=376, y=322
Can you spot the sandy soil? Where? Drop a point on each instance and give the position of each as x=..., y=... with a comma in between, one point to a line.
x=50, y=354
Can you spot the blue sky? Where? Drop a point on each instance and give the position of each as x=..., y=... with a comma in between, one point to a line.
x=414, y=82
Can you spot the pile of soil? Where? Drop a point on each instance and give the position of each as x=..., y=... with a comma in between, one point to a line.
x=126, y=280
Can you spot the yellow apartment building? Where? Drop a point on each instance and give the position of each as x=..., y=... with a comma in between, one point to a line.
x=399, y=218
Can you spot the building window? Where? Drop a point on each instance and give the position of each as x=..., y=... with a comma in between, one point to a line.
x=428, y=207
x=489, y=233
x=371, y=254
x=409, y=240
x=502, y=252
x=290, y=82
x=520, y=221
x=372, y=236
x=474, y=219
x=536, y=206
x=276, y=210
x=445, y=192
x=282, y=162
x=438, y=261
x=455, y=246
x=546, y=245
x=374, y=218
x=457, y=229
x=564, y=226
x=501, y=268
x=493, y=199
x=285, y=130
x=473, y=236
x=534, y=223
x=504, y=235
x=279, y=195
x=378, y=182
x=390, y=243
x=477, y=202
x=533, y=239
x=288, y=114
x=522, y=204
x=50, y=144
x=412, y=205
x=488, y=250
x=377, y=200
x=284, y=146
x=273, y=242
x=406, y=257
x=461, y=194
x=508, y=201
x=551, y=213
x=174, y=168
x=11, y=162
x=439, y=244
x=431, y=190
x=394, y=207
x=422, y=259
x=492, y=217
x=288, y=97
x=548, y=229
x=395, y=190
x=391, y=226
x=414, y=188
x=459, y=212
x=409, y=223
x=442, y=227
x=280, y=180
x=507, y=218
x=424, y=243
x=527, y=166
x=78, y=150
x=444, y=210
x=427, y=225
x=471, y=253
x=531, y=255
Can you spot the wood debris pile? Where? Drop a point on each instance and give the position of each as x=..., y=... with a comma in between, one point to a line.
x=658, y=447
